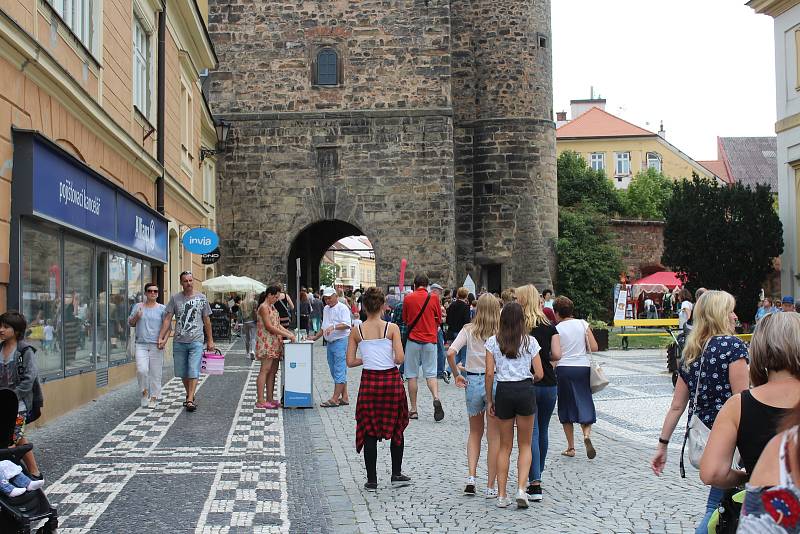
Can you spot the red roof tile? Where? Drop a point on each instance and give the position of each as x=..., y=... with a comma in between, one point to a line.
x=718, y=168
x=599, y=123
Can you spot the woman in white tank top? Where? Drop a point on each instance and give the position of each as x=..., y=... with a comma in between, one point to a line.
x=382, y=408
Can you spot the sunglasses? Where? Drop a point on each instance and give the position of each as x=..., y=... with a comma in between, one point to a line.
x=151, y=291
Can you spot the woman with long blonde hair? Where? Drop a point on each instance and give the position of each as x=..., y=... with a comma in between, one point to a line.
x=473, y=336
x=546, y=334
x=714, y=368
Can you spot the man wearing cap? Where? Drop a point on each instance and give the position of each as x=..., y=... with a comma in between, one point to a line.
x=787, y=303
x=422, y=314
x=336, y=322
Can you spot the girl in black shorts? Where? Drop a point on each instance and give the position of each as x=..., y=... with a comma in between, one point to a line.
x=512, y=358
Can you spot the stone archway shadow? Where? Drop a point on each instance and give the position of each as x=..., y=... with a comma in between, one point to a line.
x=310, y=246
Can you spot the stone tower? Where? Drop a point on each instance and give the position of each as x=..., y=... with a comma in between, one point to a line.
x=423, y=124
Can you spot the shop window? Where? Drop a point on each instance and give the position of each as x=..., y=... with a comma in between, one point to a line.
x=327, y=67
x=117, y=308
x=41, y=296
x=78, y=316
x=101, y=300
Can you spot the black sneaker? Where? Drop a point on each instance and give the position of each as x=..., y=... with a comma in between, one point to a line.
x=398, y=481
x=438, y=411
x=446, y=377
x=371, y=486
x=536, y=493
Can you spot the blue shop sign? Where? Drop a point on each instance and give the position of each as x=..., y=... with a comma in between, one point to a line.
x=200, y=241
x=50, y=183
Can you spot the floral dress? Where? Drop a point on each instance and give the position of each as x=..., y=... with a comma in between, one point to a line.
x=269, y=346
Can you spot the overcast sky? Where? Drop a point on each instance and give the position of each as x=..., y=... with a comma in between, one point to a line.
x=704, y=67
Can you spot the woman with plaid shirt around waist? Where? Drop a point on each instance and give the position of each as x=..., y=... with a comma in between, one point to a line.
x=382, y=409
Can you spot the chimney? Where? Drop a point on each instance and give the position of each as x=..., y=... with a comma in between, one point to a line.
x=561, y=116
x=661, y=133
x=579, y=107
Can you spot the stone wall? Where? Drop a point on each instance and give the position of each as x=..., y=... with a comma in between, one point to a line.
x=641, y=242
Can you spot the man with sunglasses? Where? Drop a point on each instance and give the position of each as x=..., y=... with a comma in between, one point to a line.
x=191, y=311
x=147, y=317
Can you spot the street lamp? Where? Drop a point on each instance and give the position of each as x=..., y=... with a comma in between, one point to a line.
x=222, y=128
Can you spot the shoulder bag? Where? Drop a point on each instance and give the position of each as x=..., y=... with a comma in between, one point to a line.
x=696, y=437
x=415, y=321
x=597, y=376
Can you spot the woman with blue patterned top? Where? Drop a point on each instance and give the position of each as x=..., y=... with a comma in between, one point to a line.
x=715, y=366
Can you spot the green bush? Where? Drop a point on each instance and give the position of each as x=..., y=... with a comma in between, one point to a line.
x=647, y=195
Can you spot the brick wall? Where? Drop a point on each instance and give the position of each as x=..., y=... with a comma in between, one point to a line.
x=642, y=243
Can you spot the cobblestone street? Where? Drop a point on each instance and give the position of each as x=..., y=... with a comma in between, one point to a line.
x=115, y=467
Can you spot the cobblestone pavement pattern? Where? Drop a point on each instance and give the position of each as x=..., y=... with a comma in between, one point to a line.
x=115, y=467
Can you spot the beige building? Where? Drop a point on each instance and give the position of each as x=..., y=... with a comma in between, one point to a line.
x=105, y=161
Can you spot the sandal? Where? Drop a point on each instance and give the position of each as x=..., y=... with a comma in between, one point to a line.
x=344, y=403
x=329, y=404
x=191, y=406
x=413, y=415
x=590, y=451
x=569, y=452
x=262, y=405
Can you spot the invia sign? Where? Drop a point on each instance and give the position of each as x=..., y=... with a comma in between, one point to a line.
x=200, y=240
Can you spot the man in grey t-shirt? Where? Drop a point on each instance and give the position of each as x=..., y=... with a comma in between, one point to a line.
x=191, y=311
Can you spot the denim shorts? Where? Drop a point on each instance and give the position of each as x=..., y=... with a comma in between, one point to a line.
x=186, y=358
x=337, y=360
x=420, y=354
x=476, y=393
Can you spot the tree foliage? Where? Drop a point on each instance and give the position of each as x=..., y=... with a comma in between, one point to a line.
x=647, y=195
x=722, y=238
x=327, y=274
x=588, y=261
x=579, y=184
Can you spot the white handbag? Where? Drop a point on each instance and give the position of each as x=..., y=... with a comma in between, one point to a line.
x=597, y=376
x=694, y=442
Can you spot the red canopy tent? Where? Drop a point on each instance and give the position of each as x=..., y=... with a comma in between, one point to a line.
x=664, y=278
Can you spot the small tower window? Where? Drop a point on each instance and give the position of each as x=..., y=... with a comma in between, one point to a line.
x=327, y=67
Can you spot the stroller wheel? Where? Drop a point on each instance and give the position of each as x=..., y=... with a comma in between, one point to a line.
x=49, y=527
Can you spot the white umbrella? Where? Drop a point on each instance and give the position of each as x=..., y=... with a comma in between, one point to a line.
x=233, y=284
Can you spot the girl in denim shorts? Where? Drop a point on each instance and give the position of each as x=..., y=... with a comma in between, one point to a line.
x=471, y=377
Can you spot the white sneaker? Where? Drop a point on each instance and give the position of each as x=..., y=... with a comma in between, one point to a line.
x=522, y=499
x=143, y=402
x=491, y=493
x=503, y=502
x=469, y=488
x=152, y=403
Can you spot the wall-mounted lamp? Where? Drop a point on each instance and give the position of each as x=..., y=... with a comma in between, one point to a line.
x=222, y=129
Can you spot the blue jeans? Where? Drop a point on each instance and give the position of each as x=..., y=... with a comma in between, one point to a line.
x=545, y=402
x=337, y=361
x=714, y=497
x=440, y=355
x=186, y=358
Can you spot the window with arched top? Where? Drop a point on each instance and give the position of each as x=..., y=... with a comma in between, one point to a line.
x=327, y=67
x=654, y=161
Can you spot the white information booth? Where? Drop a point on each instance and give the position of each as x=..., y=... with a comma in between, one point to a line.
x=297, y=375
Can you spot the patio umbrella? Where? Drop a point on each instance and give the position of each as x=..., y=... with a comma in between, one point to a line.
x=233, y=284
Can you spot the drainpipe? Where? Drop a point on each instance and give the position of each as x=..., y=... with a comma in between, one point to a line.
x=160, y=97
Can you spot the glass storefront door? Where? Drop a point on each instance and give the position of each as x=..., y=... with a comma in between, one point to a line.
x=79, y=300
x=101, y=329
x=117, y=308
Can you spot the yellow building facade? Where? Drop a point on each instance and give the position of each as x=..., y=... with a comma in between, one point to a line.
x=621, y=149
x=91, y=207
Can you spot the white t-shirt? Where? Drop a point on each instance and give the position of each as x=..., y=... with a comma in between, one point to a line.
x=337, y=315
x=686, y=309
x=647, y=304
x=513, y=369
x=49, y=332
x=476, y=349
x=573, y=343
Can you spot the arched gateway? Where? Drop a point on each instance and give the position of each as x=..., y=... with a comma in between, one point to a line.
x=431, y=133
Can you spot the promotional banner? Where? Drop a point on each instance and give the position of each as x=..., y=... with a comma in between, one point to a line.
x=403, y=264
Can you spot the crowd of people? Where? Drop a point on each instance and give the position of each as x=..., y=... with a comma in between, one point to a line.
x=517, y=356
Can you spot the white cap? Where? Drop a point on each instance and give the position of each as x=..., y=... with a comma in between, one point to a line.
x=329, y=292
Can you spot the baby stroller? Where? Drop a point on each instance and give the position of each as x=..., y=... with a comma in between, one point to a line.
x=18, y=515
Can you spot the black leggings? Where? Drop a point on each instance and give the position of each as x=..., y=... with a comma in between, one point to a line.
x=371, y=457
